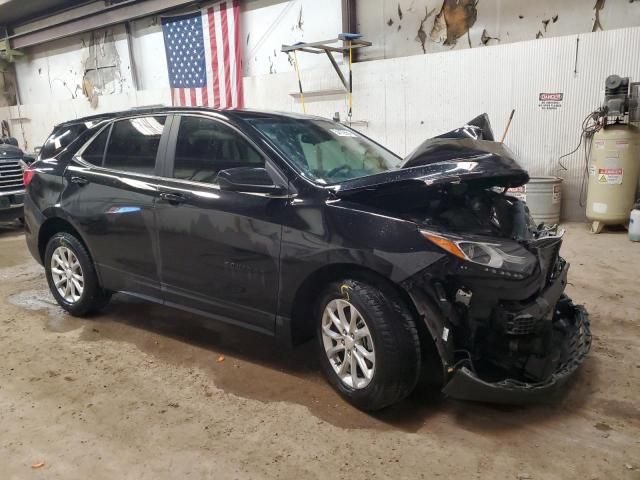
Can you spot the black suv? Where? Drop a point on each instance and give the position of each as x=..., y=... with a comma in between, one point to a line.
x=296, y=226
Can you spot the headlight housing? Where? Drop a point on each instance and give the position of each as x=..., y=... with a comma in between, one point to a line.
x=506, y=258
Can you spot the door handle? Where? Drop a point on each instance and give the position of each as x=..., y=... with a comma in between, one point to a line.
x=79, y=180
x=173, y=198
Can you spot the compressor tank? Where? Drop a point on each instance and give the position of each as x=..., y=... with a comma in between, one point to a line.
x=613, y=175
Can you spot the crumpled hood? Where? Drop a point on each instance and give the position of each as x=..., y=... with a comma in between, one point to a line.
x=467, y=154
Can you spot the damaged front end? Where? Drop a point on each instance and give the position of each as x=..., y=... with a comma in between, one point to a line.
x=504, y=336
x=494, y=302
x=504, y=328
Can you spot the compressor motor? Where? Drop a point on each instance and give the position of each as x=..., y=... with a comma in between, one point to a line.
x=621, y=98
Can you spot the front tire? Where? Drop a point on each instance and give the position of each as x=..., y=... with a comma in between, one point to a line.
x=72, y=277
x=368, y=344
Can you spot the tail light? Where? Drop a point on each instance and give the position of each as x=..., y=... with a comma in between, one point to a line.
x=27, y=175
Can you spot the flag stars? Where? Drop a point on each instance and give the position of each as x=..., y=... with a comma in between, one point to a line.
x=184, y=42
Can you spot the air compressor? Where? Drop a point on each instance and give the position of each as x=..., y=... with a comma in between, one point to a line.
x=614, y=162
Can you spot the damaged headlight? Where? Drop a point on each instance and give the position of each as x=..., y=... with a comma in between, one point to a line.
x=506, y=258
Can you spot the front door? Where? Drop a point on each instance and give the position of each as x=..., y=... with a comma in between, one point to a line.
x=219, y=250
x=110, y=194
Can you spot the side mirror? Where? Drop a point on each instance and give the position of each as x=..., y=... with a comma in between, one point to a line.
x=248, y=179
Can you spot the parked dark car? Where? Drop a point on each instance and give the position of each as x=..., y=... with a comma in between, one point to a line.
x=11, y=187
x=422, y=269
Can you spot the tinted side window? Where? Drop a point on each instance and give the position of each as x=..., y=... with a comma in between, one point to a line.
x=134, y=144
x=60, y=138
x=94, y=153
x=204, y=147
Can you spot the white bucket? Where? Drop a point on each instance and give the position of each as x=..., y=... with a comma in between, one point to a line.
x=543, y=196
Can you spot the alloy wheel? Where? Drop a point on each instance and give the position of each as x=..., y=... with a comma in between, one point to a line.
x=348, y=343
x=67, y=274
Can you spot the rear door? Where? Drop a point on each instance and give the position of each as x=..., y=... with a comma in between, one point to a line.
x=110, y=195
x=219, y=250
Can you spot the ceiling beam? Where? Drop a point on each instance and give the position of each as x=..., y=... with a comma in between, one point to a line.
x=106, y=17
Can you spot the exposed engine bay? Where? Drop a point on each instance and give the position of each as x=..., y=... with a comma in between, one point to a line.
x=468, y=210
x=494, y=303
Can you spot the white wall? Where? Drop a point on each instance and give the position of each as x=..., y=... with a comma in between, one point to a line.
x=147, y=45
x=509, y=21
x=266, y=25
x=407, y=100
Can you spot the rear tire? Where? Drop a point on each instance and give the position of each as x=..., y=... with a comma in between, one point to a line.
x=72, y=277
x=379, y=338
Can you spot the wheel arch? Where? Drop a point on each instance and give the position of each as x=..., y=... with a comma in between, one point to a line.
x=305, y=300
x=54, y=225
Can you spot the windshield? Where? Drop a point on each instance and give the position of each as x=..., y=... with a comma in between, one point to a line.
x=326, y=151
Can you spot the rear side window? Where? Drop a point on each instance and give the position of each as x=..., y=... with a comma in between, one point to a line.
x=204, y=147
x=94, y=153
x=133, y=144
x=60, y=138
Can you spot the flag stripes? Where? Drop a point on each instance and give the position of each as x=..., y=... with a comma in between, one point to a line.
x=217, y=44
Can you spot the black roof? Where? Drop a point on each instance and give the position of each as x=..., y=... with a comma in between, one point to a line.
x=231, y=114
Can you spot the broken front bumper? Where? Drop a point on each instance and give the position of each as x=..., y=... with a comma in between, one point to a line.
x=466, y=385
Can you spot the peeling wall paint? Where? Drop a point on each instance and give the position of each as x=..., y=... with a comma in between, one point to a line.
x=455, y=19
x=7, y=85
x=101, y=74
x=82, y=66
x=429, y=26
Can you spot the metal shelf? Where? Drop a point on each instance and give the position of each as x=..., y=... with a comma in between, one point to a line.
x=319, y=93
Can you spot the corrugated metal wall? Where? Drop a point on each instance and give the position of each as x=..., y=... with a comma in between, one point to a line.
x=540, y=137
x=406, y=100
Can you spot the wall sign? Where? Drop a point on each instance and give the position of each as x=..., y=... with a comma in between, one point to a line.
x=550, y=101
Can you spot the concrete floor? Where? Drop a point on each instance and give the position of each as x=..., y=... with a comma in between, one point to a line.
x=141, y=392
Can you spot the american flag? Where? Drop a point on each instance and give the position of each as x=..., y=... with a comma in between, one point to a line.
x=203, y=56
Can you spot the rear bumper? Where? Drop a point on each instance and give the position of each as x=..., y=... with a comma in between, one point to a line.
x=33, y=219
x=464, y=384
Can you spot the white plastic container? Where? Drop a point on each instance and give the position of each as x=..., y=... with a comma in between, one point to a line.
x=634, y=224
x=544, y=199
